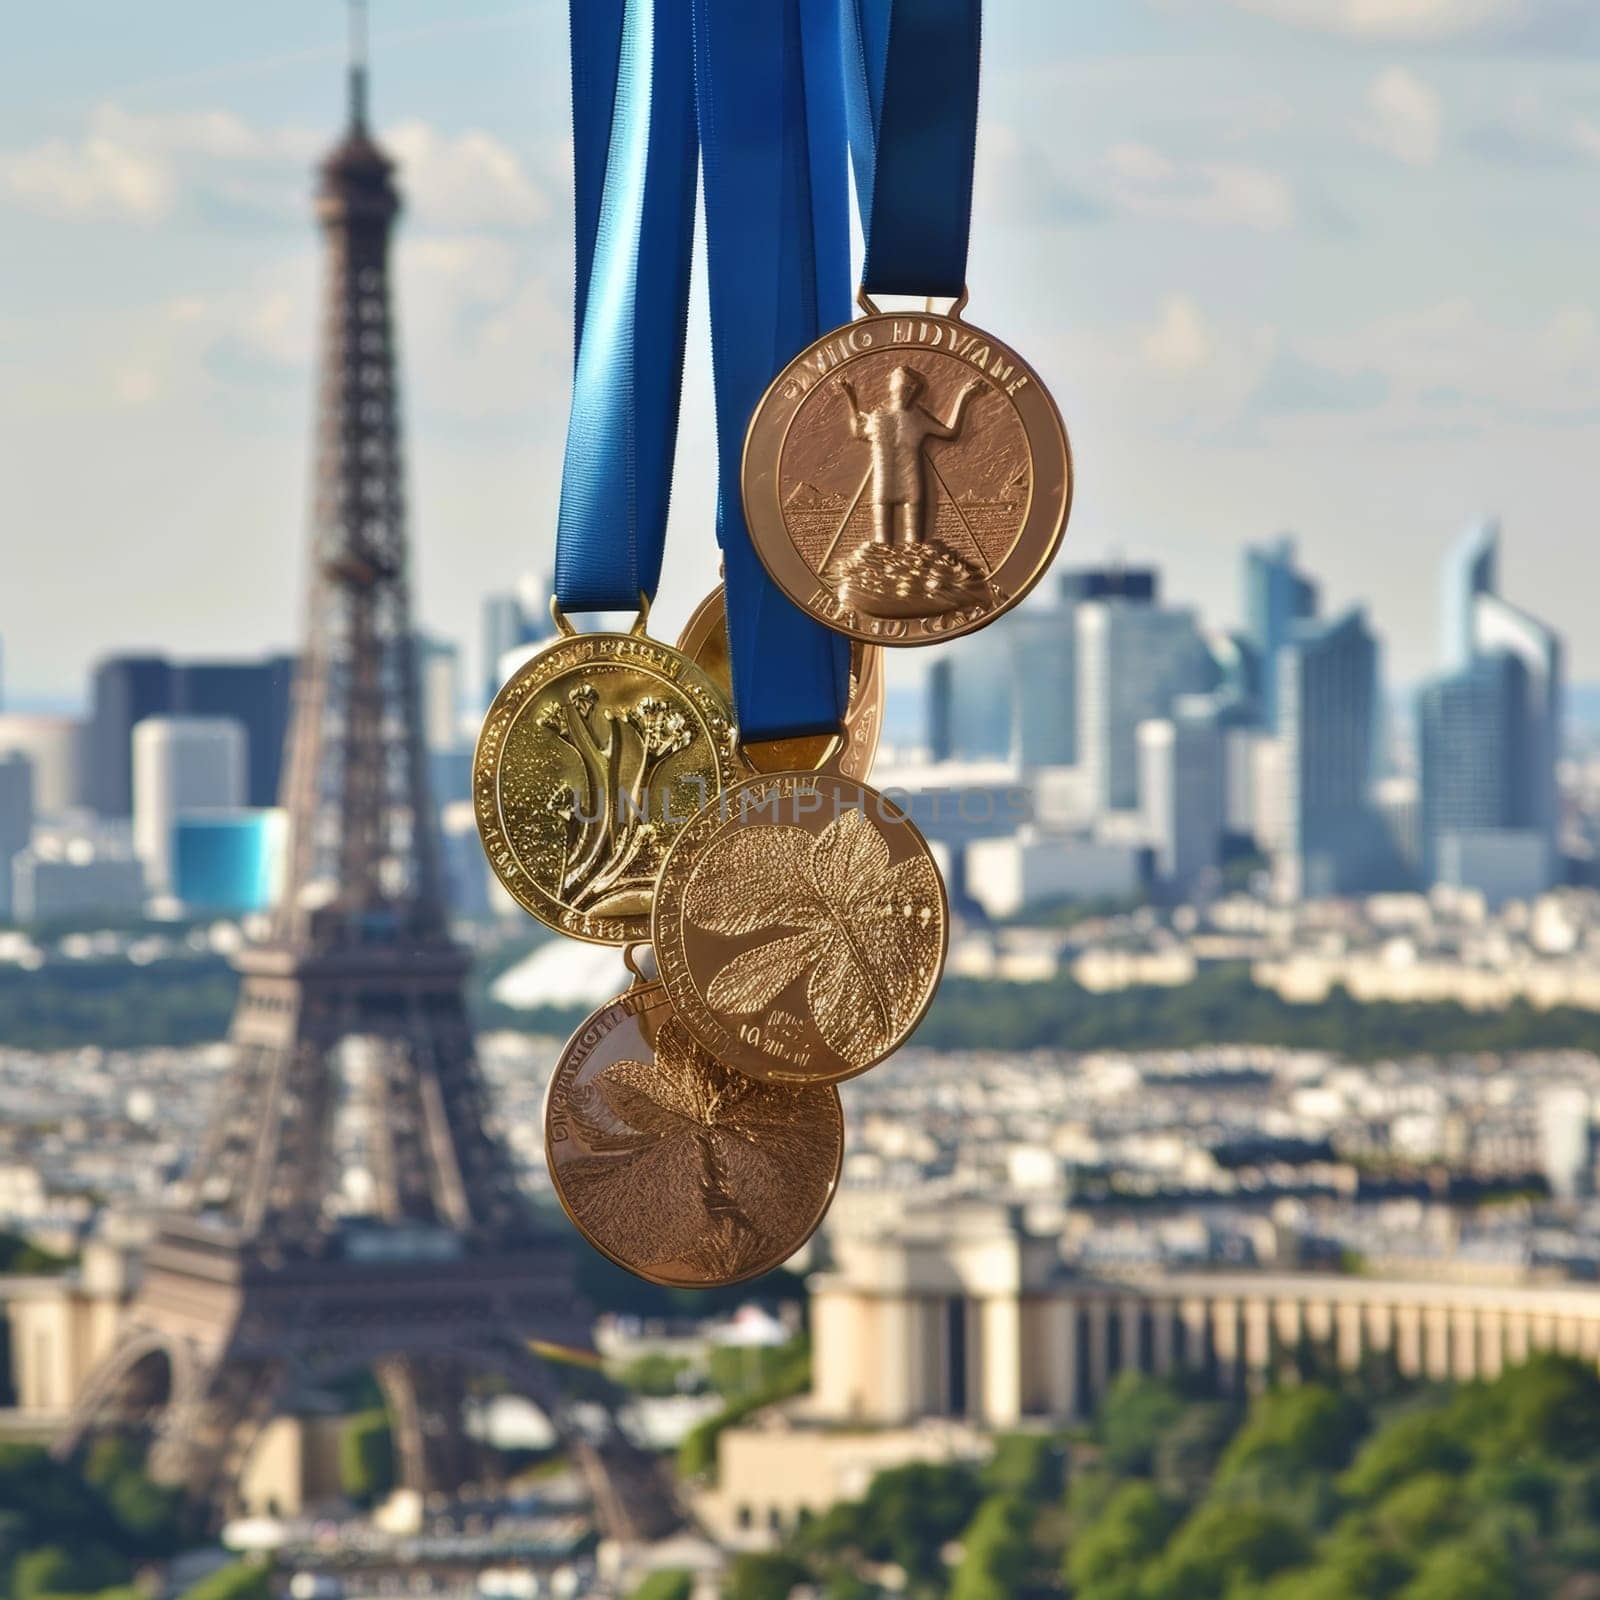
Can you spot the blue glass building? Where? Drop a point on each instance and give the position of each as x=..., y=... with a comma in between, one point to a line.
x=229, y=861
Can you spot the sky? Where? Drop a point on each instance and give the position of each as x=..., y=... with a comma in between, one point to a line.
x=1319, y=266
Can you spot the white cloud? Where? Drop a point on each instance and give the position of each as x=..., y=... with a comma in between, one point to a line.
x=466, y=180
x=93, y=178
x=1180, y=341
x=131, y=165
x=1150, y=183
x=1403, y=117
x=1397, y=20
x=1586, y=136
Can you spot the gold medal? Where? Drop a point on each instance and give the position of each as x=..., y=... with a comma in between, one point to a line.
x=907, y=478
x=592, y=757
x=800, y=926
x=676, y=1167
x=848, y=753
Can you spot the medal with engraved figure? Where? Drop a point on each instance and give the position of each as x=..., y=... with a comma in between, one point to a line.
x=678, y=1168
x=800, y=926
x=848, y=753
x=592, y=757
x=907, y=478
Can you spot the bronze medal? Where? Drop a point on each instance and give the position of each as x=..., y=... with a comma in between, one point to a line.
x=800, y=925
x=592, y=757
x=848, y=753
x=675, y=1166
x=907, y=478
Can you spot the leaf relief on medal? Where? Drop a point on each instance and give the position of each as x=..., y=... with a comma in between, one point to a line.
x=864, y=935
x=601, y=763
x=695, y=1166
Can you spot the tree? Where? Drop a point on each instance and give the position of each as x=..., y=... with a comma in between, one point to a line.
x=366, y=1456
x=1420, y=1512
x=1465, y=1570
x=1351, y=1565
x=55, y=1569
x=1548, y=1406
x=1129, y=1531
x=1027, y=1465
x=149, y=1514
x=240, y=1580
x=907, y=1516
x=1187, y=1453
x=764, y=1577
x=655, y=1373
x=1419, y=1441
x=1137, y=1413
x=1291, y=1433
x=1224, y=1546
x=996, y=1556
x=668, y=1583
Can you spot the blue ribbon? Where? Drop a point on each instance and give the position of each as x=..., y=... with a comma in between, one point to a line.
x=911, y=70
x=769, y=98
x=634, y=178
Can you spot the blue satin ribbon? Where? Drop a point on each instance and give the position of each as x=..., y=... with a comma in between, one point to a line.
x=769, y=100
x=596, y=31
x=634, y=178
x=911, y=73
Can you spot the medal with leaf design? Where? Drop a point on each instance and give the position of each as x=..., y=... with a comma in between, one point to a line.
x=800, y=927
x=675, y=1166
x=591, y=758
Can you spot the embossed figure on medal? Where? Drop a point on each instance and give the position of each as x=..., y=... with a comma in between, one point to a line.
x=264, y=1287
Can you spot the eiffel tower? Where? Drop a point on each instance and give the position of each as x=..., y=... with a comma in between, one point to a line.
x=351, y=1032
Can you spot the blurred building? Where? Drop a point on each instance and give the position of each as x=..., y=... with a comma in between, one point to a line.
x=1327, y=679
x=512, y=623
x=56, y=748
x=1181, y=792
x=181, y=766
x=1489, y=735
x=439, y=692
x=127, y=689
x=16, y=819
x=1277, y=596
x=1009, y=692
x=1134, y=659
x=1567, y=1140
x=53, y=881
x=229, y=861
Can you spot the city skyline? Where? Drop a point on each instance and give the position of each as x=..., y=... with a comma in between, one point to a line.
x=1252, y=245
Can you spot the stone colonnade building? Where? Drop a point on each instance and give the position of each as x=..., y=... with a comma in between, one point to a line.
x=960, y=1313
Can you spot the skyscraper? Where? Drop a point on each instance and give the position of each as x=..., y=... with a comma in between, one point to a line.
x=1465, y=721
x=1011, y=692
x=439, y=680
x=1277, y=596
x=181, y=765
x=1327, y=708
x=1133, y=660
x=16, y=819
x=126, y=689
x=511, y=622
x=972, y=698
x=1181, y=791
x=1472, y=568
x=1045, y=660
x=56, y=749
x=1490, y=731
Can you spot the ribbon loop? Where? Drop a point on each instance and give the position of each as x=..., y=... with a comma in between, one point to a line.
x=768, y=96
x=911, y=70
x=634, y=179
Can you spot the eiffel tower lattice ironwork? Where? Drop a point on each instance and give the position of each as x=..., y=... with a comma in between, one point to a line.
x=351, y=1032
